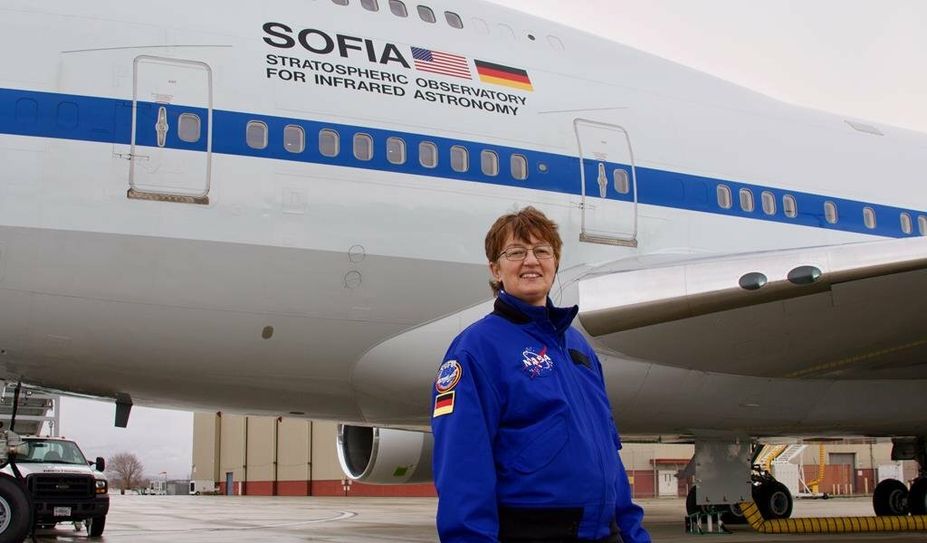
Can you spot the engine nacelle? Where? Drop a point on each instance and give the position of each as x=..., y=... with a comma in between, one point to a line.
x=385, y=456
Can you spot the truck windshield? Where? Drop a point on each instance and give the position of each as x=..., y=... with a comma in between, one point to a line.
x=51, y=451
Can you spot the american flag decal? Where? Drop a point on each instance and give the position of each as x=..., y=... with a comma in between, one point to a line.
x=438, y=62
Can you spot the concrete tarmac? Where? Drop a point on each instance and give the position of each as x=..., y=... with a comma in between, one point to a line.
x=215, y=519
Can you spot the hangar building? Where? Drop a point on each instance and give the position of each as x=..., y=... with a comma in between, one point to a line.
x=283, y=456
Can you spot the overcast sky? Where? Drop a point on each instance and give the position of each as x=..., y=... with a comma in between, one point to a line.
x=860, y=58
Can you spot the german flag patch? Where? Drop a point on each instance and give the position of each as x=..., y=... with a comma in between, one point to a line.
x=444, y=404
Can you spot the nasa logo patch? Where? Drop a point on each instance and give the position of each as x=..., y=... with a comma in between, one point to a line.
x=448, y=376
x=536, y=364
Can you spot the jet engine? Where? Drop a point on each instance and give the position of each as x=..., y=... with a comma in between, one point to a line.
x=384, y=455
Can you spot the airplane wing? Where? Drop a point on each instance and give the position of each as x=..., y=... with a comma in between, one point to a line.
x=852, y=311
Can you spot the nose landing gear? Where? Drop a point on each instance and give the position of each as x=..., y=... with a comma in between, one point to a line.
x=891, y=496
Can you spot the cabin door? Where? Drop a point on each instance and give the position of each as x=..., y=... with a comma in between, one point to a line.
x=171, y=143
x=608, y=183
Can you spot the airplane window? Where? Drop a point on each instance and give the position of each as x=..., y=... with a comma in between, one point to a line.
x=294, y=138
x=188, y=127
x=27, y=110
x=519, y=166
x=480, y=25
x=830, y=212
x=428, y=154
x=398, y=8
x=869, y=217
x=453, y=19
x=769, y=202
x=622, y=183
x=922, y=225
x=363, y=147
x=256, y=135
x=724, y=196
x=329, y=142
x=340, y=2
x=556, y=43
x=370, y=5
x=789, y=206
x=506, y=31
x=906, y=225
x=460, y=159
x=489, y=163
x=746, y=200
x=67, y=115
x=396, y=150
x=426, y=14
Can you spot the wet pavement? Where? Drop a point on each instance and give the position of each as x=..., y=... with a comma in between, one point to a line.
x=227, y=519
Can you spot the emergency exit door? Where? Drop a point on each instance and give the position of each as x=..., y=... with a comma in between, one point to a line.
x=608, y=183
x=171, y=143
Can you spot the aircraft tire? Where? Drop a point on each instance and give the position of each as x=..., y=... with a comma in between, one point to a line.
x=773, y=500
x=917, y=497
x=95, y=526
x=15, y=512
x=890, y=498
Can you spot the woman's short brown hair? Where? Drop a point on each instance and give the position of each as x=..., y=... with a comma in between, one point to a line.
x=522, y=224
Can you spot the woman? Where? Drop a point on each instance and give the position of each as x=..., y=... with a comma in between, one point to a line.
x=525, y=446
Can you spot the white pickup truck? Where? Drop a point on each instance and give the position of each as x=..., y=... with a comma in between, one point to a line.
x=59, y=484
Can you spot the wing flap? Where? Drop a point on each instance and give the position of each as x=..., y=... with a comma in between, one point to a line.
x=860, y=317
x=620, y=301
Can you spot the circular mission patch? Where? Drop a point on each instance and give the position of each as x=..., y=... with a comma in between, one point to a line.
x=448, y=376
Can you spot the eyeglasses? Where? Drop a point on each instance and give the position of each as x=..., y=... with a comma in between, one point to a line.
x=517, y=254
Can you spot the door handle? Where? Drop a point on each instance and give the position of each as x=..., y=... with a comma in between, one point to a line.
x=602, y=180
x=161, y=127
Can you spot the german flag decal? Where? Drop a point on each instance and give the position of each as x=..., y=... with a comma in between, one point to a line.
x=444, y=404
x=498, y=74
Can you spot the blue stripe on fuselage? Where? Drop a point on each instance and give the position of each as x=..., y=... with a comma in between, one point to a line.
x=109, y=120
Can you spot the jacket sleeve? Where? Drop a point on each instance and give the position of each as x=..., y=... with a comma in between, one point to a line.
x=628, y=514
x=464, y=427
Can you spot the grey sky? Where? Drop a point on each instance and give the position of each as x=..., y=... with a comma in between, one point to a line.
x=161, y=438
x=861, y=58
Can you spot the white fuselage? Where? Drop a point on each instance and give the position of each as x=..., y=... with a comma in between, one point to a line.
x=275, y=279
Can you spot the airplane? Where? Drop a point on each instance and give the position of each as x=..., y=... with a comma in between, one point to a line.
x=279, y=209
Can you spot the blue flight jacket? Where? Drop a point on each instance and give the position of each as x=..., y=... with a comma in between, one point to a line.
x=521, y=424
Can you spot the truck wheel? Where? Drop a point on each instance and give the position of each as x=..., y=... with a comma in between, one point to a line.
x=15, y=512
x=95, y=526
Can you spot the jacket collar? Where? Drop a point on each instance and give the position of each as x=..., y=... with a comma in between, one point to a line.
x=512, y=309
